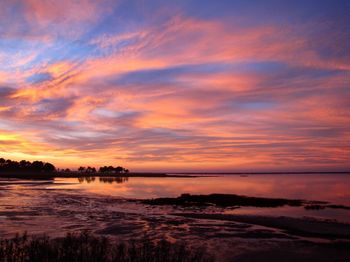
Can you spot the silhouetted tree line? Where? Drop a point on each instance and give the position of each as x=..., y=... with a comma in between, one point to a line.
x=103, y=169
x=39, y=166
x=25, y=166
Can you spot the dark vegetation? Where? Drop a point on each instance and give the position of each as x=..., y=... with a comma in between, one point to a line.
x=38, y=167
x=25, y=166
x=223, y=200
x=103, y=170
x=89, y=248
x=40, y=170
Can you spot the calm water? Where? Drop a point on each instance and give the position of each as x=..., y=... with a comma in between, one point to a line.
x=42, y=206
x=333, y=188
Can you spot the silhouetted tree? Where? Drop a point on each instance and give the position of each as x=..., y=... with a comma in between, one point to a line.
x=90, y=170
x=103, y=169
x=81, y=169
x=11, y=165
x=118, y=169
x=37, y=166
x=111, y=169
x=48, y=167
x=25, y=166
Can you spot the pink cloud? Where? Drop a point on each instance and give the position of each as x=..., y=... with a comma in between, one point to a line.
x=228, y=117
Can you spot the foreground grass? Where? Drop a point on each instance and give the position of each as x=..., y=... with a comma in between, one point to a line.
x=89, y=248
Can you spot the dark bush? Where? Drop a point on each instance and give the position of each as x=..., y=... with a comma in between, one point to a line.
x=89, y=248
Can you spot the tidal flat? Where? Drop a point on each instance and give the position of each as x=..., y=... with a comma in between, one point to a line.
x=129, y=208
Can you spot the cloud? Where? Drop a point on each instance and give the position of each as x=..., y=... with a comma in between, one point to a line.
x=6, y=91
x=52, y=107
x=184, y=88
x=39, y=78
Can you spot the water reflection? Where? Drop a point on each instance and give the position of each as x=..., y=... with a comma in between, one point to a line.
x=332, y=188
x=109, y=180
x=87, y=179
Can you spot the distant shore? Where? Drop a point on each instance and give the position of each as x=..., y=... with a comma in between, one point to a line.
x=260, y=173
x=52, y=175
x=76, y=174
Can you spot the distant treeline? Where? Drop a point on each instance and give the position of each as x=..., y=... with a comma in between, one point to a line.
x=45, y=167
x=25, y=166
x=103, y=169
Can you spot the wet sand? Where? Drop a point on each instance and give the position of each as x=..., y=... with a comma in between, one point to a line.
x=294, y=226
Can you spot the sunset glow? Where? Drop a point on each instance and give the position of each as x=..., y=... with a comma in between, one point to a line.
x=176, y=85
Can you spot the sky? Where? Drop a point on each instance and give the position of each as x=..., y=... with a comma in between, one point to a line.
x=186, y=85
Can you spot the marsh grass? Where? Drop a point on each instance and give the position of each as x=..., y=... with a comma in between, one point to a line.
x=89, y=248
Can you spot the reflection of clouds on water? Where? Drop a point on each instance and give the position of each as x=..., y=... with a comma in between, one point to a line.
x=109, y=180
x=332, y=188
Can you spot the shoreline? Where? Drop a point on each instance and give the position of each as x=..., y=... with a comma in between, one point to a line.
x=74, y=174
x=262, y=173
x=49, y=176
